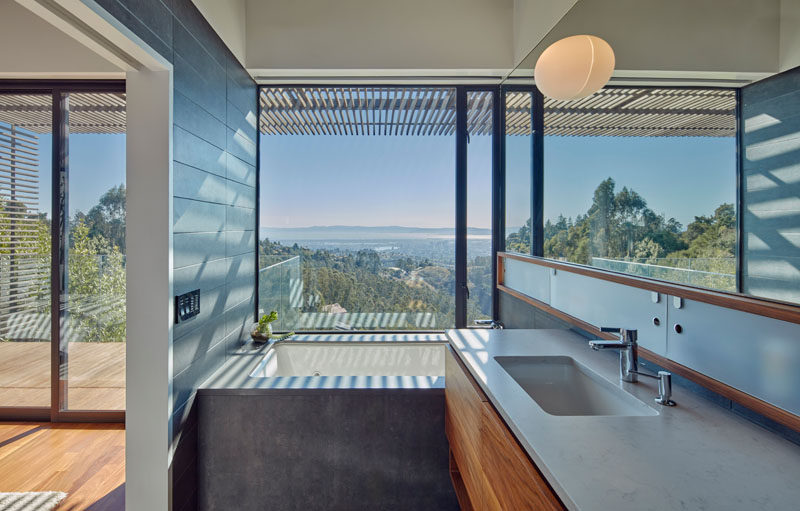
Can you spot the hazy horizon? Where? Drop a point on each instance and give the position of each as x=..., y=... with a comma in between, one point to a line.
x=408, y=180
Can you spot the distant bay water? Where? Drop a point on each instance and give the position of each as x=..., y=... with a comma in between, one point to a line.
x=347, y=232
x=392, y=242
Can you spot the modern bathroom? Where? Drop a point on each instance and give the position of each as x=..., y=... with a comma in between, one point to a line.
x=464, y=255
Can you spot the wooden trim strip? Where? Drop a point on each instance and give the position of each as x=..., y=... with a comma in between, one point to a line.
x=783, y=311
x=768, y=410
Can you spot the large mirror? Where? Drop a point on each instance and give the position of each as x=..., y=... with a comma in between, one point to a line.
x=666, y=172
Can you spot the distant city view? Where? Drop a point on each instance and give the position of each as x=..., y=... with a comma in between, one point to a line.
x=389, y=277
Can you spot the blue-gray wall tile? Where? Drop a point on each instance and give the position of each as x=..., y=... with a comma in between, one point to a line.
x=240, y=146
x=240, y=219
x=241, y=195
x=208, y=275
x=240, y=171
x=240, y=266
x=197, y=216
x=239, y=242
x=212, y=305
x=196, y=120
x=192, y=150
x=244, y=123
x=192, y=183
x=203, y=89
x=197, y=247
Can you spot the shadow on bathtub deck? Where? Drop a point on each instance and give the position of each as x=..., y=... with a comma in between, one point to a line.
x=318, y=449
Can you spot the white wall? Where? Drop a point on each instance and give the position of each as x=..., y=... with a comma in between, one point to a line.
x=32, y=48
x=703, y=36
x=149, y=290
x=533, y=19
x=370, y=34
x=789, y=52
x=228, y=18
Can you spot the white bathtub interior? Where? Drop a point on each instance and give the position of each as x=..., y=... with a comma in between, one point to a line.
x=352, y=359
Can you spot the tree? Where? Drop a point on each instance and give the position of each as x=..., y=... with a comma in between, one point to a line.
x=710, y=236
x=520, y=241
x=96, y=284
x=107, y=218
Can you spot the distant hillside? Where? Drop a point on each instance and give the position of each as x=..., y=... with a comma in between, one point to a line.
x=355, y=232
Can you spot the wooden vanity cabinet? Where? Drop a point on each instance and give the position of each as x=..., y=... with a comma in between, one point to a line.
x=490, y=470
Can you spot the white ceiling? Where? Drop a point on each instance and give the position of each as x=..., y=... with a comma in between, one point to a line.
x=686, y=39
x=33, y=48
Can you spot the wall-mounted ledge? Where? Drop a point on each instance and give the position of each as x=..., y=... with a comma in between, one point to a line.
x=760, y=306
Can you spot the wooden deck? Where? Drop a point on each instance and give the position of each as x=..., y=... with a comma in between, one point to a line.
x=96, y=375
x=86, y=461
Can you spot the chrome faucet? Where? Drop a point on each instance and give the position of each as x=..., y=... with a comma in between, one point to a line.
x=628, y=347
x=489, y=323
x=628, y=351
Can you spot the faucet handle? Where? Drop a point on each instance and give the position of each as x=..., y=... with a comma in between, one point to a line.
x=625, y=334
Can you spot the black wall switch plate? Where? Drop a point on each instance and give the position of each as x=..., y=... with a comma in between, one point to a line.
x=187, y=305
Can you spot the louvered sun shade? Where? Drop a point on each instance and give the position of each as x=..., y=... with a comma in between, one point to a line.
x=611, y=112
x=24, y=259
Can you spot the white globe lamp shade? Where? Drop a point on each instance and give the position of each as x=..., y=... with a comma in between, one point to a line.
x=574, y=67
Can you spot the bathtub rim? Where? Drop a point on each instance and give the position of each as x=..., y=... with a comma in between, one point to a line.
x=271, y=348
x=233, y=377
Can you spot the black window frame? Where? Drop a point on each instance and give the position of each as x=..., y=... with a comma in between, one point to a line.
x=460, y=184
x=58, y=411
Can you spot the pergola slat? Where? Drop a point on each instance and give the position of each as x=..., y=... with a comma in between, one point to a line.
x=431, y=111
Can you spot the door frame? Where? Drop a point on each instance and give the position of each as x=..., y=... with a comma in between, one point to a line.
x=59, y=356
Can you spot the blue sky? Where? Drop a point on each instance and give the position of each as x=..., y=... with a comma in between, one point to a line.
x=97, y=162
x=383, y=180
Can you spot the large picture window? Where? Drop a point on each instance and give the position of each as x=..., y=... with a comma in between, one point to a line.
x=357, y=224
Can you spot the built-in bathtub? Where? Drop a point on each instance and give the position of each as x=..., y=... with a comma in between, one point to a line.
x=327, y=422
x=352, y=358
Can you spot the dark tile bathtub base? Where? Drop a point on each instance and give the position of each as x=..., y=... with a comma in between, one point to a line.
x=376, y=449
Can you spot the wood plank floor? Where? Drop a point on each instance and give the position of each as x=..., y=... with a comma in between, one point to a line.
x=86, y=461
x=96, y=375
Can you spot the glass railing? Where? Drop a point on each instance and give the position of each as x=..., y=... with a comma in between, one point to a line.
x=280, y=288
x=713, y=273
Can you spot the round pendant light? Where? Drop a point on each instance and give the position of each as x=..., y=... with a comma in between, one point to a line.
x=574, y=67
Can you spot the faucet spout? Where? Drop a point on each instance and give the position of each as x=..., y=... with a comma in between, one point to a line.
x=604, y=345
x=628, y=351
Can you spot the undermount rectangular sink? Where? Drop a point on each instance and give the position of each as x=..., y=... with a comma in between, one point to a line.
x=562, y=386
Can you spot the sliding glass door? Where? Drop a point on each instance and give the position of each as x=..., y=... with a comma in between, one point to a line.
x=25, y=218
x=62, y=250
x=93, y=336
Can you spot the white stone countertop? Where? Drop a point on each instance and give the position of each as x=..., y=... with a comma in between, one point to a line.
x=694, y=456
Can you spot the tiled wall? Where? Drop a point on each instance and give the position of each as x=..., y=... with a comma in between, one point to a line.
x=771, y=167
x=214, y=179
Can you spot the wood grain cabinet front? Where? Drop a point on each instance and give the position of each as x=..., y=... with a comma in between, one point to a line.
x=490, y=470
x=463, y=401
x=515, y=481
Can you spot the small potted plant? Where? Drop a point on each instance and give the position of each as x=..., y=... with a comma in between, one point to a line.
x=263, y=331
